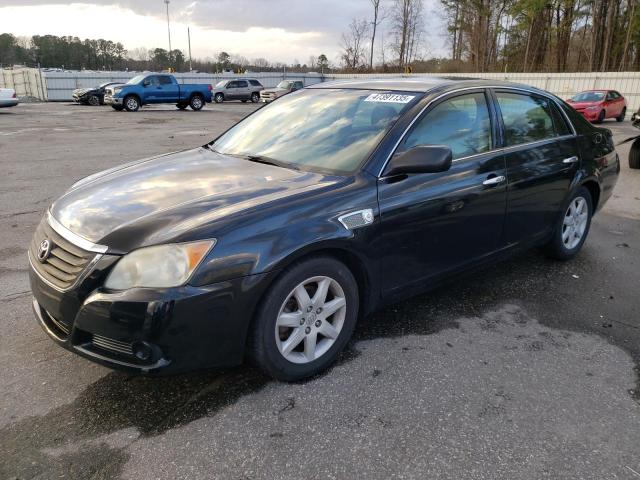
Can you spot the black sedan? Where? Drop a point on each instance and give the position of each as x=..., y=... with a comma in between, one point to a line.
x=92, y=96
x=271, y=241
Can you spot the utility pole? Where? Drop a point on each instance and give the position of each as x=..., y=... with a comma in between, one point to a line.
x=189, y=36
x=168, y=29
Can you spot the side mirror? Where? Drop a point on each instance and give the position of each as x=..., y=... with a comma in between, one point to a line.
x=146, y=83
x=421, y=159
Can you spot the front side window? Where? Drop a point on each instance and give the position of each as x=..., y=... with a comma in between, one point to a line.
x=329, y=130
x=242, y=84
x=526, y=118
x=232, y=85
x=462, y=123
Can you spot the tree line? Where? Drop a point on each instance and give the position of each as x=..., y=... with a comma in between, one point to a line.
x=499, y=35
x=71, y=53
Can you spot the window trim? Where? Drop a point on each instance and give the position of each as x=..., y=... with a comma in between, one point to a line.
x=490, y=88
x=532, y=95
x=492, y=121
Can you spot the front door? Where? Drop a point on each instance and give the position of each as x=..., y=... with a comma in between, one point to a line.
x=432, y=223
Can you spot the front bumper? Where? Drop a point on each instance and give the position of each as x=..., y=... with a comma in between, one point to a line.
x=151, y=330
x=109, y=100
x=590, y=115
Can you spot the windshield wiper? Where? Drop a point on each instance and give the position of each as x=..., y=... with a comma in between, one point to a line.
x=269, y=161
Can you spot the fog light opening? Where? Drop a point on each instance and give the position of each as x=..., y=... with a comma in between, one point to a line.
x=142, y=351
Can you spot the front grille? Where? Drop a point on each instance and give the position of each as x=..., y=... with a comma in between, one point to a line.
x=111, y=345
x=65, y=263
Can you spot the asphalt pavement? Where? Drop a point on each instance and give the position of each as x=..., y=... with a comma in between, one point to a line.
x=523, y=370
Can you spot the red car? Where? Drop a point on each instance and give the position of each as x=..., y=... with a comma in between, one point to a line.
x=598, y=105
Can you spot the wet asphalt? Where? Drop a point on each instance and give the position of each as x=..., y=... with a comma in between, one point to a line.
x=524, y=369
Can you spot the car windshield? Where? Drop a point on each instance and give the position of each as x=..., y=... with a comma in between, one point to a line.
x=135, y=80
x=221, y=83
x=283, y=84
x=588, y=97
x=328, y=130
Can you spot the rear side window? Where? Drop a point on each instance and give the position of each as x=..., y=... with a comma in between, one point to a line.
x=242, y=84
x=526, y=118
x=462, y=123
x=255, y=83
x=164, y=80
x=559, y=122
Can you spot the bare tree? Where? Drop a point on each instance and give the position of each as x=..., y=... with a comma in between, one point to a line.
x=378, y=18
x=353, y=42
x=408, y=26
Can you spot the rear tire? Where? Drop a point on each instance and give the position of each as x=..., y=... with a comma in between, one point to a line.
x=182, y=106
x=117, y=108
x=634, y=154
x=131, y=103
x=291, y=336
x=620, y=118
x=572, y=227
x=196, y=102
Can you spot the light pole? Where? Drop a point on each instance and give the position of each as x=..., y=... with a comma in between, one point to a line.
x=168, y=29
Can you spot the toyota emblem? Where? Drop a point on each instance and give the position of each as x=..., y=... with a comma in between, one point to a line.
x=44, y=250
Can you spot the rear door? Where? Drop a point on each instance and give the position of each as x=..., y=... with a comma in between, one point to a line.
x=433, y=223
x=170, y=91
x=542, y=159
x=243, y=90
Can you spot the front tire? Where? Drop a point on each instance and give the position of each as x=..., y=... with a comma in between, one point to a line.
x=601, y=116
x=572, y=228
x=255, y=97
x=219, y=98
x=94, y=100
x=305, y=319
x=131, y=103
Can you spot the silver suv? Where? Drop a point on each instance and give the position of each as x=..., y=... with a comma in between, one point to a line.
x=237, y=89
x=284, y=87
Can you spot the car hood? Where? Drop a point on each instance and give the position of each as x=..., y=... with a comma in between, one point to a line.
x=583, y=104
x=82, y=91
x=275, y=90
x=165, y=198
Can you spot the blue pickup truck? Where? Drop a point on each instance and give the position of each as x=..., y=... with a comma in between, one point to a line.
x=157, y=88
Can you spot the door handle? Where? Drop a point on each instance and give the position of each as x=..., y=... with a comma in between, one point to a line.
x=494, y=180
x=573, y=159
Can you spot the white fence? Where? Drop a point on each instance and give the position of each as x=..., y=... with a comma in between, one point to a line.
x=58, y=86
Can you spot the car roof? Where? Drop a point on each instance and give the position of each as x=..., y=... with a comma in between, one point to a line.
x=421, y=84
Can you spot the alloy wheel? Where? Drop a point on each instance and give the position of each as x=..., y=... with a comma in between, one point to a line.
x=310, y=319
x=575, y=223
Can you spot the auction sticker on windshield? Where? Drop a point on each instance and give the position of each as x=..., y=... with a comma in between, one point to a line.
x=389, y=98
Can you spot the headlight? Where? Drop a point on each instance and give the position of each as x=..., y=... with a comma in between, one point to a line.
x=591, y=109
x=160, y=266
x=117, y=90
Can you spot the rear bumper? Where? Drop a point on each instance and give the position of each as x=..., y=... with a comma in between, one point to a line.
x=12, y=102
x=152, y=331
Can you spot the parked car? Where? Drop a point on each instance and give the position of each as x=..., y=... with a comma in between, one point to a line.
x=284, y=87
x=598, y=105
x=92, y=96
x=157, y=88
x=313, y=211
x=237, y=89
x=8, y=97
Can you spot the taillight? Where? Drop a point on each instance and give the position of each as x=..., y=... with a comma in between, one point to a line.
x=14, y=95
x=210, y=87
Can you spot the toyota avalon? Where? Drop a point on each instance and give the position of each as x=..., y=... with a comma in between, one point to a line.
x=270, y=242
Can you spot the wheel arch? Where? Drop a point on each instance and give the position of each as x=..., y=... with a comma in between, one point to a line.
x=594, y=190
x=132, y=94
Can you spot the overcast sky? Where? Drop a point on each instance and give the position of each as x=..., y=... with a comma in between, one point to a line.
x=279, y=30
